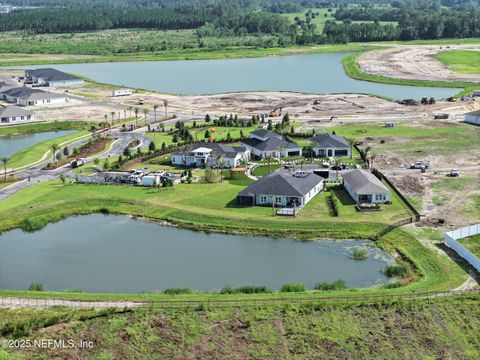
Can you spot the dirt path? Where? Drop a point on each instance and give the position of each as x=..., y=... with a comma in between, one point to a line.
x=414, y=62
x=14, y=302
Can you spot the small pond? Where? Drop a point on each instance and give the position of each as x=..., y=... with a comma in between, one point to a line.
x=106, y=253
x=9, y=145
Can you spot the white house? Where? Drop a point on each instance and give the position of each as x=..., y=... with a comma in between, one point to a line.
x=282, y=188
x=473, y=117
x=364, y=187
x=52, y=77
x=208, y=154
x=263, y=143
x=14, y=115
x=25, y=96
x=328, y=145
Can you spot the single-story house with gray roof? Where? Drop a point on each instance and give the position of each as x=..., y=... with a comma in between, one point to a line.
x=52, y=77
x=207, y=154
x=283, y=189
x=14, y=115
x=264, y=143
x=328, y=145
x=364, y=187
x=25, y=96
x=473, y=117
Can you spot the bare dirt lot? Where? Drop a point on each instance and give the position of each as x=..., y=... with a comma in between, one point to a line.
x=414, y=62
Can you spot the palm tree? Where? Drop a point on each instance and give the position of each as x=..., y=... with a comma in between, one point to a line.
x=136, y=117
x=145, y=112
x=351, y=142
x=54, y=148
x=5, y=160
x=372, y=157
x=281, y=148
x=337, y=163
x=113, y=116
x=155, y=107
x=165, y=105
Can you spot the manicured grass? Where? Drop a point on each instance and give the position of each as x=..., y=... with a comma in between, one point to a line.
x=472, y=243
x=353, y=70
x=220, y=133
x=43, y=127
x=35, y=152
x=462, y=61
x=263, y=170
x=425, y=140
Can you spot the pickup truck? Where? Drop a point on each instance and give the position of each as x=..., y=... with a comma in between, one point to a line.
x=419, y=165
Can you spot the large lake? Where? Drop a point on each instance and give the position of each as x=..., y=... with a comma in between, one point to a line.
x=9, y=145
x=105, y=253
x=317, y=73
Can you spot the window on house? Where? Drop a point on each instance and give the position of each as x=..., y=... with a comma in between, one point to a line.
x=263, y=199
x=278, y=200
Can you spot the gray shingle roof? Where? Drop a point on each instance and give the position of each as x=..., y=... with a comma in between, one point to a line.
x=221, y=149
x=269, y=144
x=11, y=111
x=474, y=113
x=50, y=74
x=330, y=141
x=282, y=183
x=364, y=183
x=27, y=93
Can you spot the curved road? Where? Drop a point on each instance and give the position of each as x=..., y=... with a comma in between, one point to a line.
x=35, y=174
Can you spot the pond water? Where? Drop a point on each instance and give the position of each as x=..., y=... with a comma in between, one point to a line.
x=106, y=253
x=315, y=73
x=9, y=145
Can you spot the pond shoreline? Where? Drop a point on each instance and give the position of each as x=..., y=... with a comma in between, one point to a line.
x=177, y=258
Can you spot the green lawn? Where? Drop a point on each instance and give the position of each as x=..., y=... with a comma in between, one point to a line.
x=472, y=243
x=43, y=127
x=462, y=61
x=263, y=170
x=442, y=140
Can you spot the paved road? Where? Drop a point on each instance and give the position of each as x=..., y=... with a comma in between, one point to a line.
x=35, y=174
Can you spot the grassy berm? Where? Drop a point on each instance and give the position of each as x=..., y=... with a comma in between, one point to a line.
x=436, y=328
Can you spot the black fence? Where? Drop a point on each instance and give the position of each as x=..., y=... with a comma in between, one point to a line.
x=407, y=203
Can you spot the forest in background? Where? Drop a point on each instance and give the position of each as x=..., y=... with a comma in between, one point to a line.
x=342, y=21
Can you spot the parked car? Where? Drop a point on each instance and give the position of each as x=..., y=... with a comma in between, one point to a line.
x=454, y=173
x=419, y=165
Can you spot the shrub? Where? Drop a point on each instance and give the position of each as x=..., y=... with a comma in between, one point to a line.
x=176, y=291
x=292, y=287
x=334, y=202
x=32, y=225
x=245, y=290
x=395, y=270
x=36, y=287
x=360, y=254
x=392, y=285
x=336, y=285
